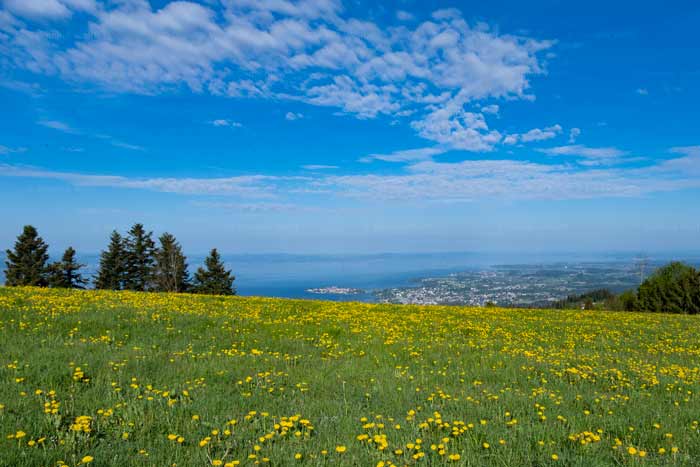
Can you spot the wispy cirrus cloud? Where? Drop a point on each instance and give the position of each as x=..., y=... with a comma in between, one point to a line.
x=58, y=125
x=688, y=164
x=250, y=185
x=420, y=181
x=66, y=128
x=319, y=167
x=121, y=144
x=585, y=151
x=407, y=155
x=10, y=150
x=260, y=207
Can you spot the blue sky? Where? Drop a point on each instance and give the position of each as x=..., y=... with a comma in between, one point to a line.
x=327, y=126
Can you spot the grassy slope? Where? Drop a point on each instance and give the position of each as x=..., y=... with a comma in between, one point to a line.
x=155, y=361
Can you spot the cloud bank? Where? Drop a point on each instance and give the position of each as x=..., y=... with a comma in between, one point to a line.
x=432, y=72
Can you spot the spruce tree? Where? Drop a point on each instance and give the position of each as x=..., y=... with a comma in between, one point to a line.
x=171, y=266
x=26, y=265
x=215, y=279
x=64, y=273
x=140, y=250
x=112, y=270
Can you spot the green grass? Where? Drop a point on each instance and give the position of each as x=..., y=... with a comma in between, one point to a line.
x=185, y=365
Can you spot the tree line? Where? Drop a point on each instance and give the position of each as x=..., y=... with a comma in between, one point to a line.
x=130, y=262
x=674, y=288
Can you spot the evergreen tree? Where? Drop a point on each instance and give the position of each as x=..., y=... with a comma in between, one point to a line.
x=628, y=301
x=171, y=266
x=140, y=250
x=26, y=265
x=64, y=273
x=674, y=288
x=112, y=265
x=215, y=279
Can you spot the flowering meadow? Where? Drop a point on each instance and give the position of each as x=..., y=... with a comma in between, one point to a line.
x=136, y=379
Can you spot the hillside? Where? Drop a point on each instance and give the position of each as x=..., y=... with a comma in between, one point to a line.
x=135, y=379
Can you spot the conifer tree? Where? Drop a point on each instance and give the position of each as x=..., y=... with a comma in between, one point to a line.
x=215, y=279
x=674, y=288
x=64, y=273
x=171, y=266
x=112, y=270
x=26, y=265
x=140, y=250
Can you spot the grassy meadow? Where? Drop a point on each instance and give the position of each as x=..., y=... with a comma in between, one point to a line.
x=136, y=379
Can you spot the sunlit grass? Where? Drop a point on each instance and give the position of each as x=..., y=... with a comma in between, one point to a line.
x=128, y=379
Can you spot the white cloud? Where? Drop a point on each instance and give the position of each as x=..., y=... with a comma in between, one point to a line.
x=536, y=134
x=403, y=15
x=423, y=180
x=261, y=207
x=66, y=128
x=123, y=145
x=490, y=109
x=222, y=122
x=585, y=151
x=291, y=116
x=691, y=151
x=452, y=126
x=574, y=133
x=502, y=179
x=319, y=167
x=407, y=155
x=689, y=164
x=642, y=91
x=58, y=125
x=248, y=186
x=48, y=9
x=9, y=150
x=309, y=51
